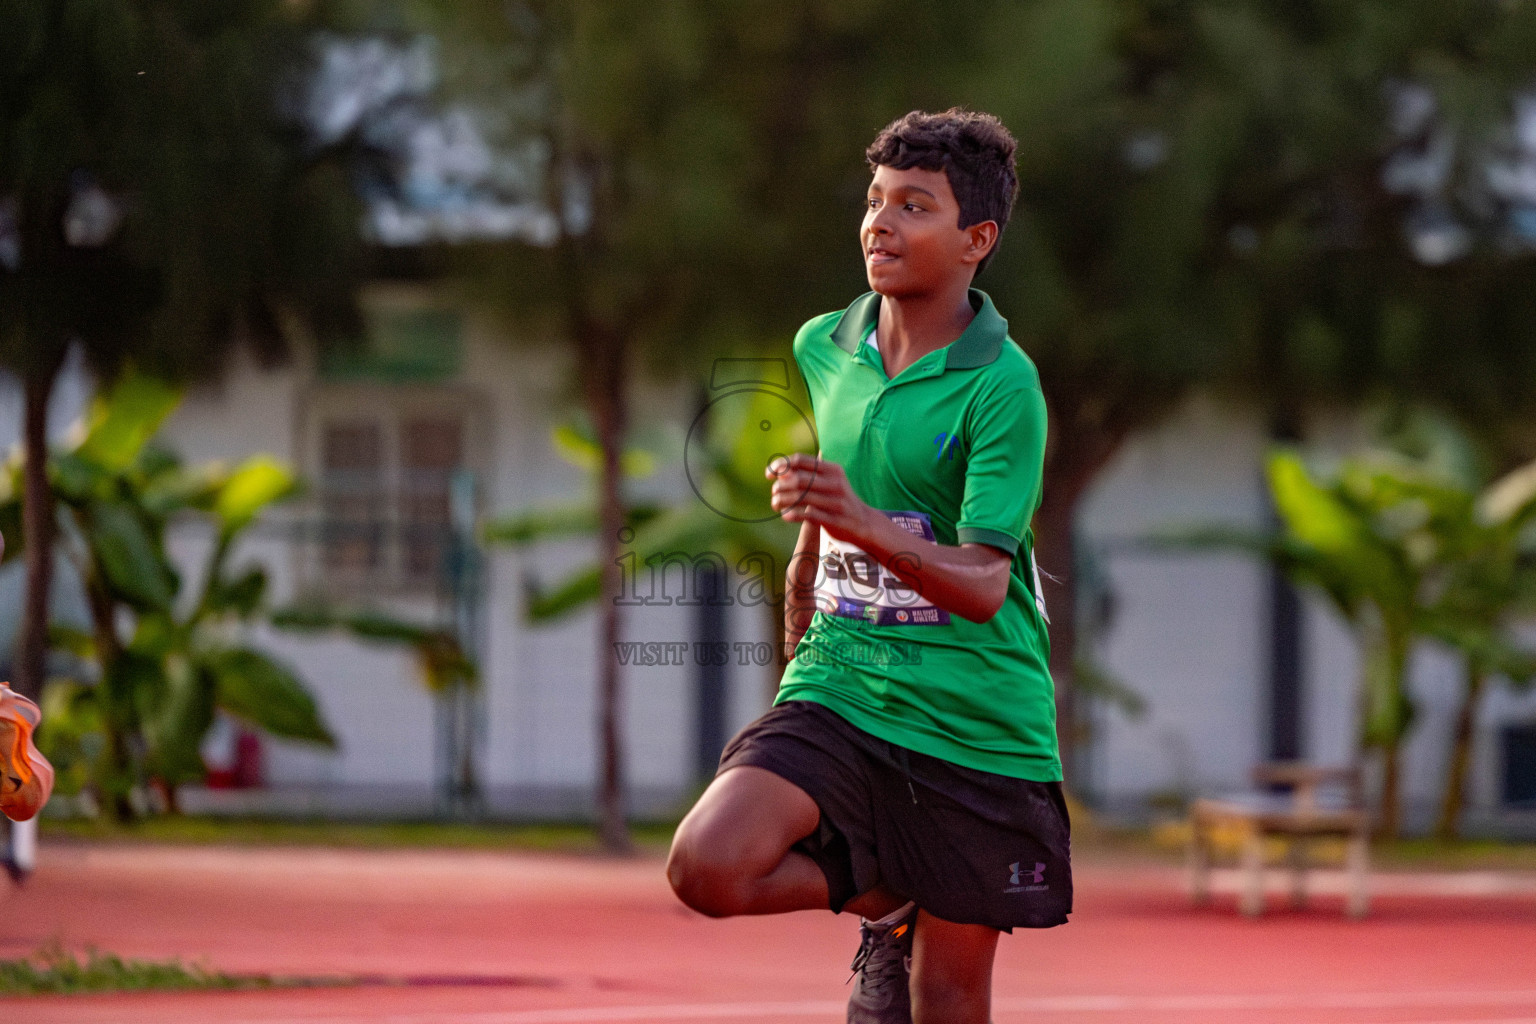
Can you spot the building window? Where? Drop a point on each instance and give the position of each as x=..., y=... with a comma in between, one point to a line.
x=352, y=490
x=383, y=467
x=1519, y=757
x=432, y=451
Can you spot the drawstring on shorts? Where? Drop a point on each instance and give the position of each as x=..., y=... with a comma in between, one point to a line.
x=906, y=768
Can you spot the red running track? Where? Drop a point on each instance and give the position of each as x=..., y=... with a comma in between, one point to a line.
x=477, y=938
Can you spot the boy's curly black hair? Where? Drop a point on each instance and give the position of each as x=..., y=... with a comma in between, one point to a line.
x=973, y=150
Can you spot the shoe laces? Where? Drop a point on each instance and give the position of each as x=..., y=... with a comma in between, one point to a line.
x=881, y=959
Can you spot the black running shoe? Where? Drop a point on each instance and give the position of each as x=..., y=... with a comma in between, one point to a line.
x=882, y=993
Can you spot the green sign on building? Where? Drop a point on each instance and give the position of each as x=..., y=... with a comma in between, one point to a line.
x=416, y=346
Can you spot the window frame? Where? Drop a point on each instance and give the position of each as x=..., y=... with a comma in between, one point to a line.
x=391, y=407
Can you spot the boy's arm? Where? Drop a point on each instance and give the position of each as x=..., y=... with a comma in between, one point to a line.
x=969, y=580
x=800, y=587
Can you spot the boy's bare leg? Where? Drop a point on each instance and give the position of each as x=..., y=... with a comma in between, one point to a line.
x=731, y=854
x=951, y=971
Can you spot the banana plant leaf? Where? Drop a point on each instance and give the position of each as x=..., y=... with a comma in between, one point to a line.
x=578, y=445
x=1298, y=562
x=1510, y=500
x=77, y=480
x=242, y=596
x=730, y=517
x=158, y=686
x=172, y=489
x=365, y=623
x=1489, y=647
x=1319, y=520
x=72, y=735
x=158, y=636
x=77, y=643
x=577, y=591
x=122, y=421
x=444, y=665
x=266, y=693
x=1094, y=681
x=131, y=559
x=174, y=726
x=440, y=657
x=557, y=522
x=1387, y=712
x=687, y=535
x=251, y=488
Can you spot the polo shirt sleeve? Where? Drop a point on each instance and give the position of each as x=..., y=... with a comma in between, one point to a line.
x=1004, y=459
x=807, y=374
x=810, y=355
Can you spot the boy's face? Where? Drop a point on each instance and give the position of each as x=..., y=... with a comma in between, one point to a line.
x=912, y=245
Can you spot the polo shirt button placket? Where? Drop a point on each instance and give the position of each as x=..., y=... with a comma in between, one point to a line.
x=872, y=407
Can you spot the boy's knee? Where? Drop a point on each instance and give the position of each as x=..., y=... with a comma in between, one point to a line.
x=703, y=882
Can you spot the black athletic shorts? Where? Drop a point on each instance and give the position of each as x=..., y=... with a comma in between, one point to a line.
x=967, y=846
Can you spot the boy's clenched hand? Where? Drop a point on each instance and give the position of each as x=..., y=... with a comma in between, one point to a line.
x=807, y=488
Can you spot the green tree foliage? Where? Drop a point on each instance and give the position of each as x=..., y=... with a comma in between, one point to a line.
x=1483, y=596
x=726, y=524
x=442, y=664
x=1411, y=546
x=702, y=162
x=157, y=202
x=1369, y=538
x=441, y=661
x=1257, y=196
x=1228, y=192
x=163, y=652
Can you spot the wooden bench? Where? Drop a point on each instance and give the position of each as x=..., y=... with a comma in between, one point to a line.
x=1321, y=802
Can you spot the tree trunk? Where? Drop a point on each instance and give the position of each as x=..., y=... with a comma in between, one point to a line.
x=1397, y=646
x=1081, y=445
x=1056, y=553
x=1388, y=825
x=1451, y=803
x=115, y=700
x=170, y=795
x=37, y=526
x=603, y=351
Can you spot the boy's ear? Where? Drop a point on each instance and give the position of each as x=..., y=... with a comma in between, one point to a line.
x=981, y=237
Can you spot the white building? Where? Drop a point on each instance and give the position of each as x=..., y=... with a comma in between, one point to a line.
x=443, y=391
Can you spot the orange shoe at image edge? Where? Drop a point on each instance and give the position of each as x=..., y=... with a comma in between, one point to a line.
x=26, y=777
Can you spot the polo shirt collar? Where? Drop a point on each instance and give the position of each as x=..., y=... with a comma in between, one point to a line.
x=978, y=345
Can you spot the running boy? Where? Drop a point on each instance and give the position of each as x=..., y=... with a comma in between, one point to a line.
x=908, y=770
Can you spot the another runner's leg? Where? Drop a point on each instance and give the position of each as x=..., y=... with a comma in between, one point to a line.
x=26, y=777
x=951, y=971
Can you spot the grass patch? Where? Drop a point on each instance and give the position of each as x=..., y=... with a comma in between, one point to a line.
x=52, y=971
x=219, y=830
x=1457, y=855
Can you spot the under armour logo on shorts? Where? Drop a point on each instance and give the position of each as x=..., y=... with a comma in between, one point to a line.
x=1025, y=880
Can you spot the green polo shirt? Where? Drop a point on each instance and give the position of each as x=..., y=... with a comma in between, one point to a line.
x=951, y=449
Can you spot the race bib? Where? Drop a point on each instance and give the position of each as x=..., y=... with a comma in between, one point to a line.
x=1034, y=568
x=852, y=585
